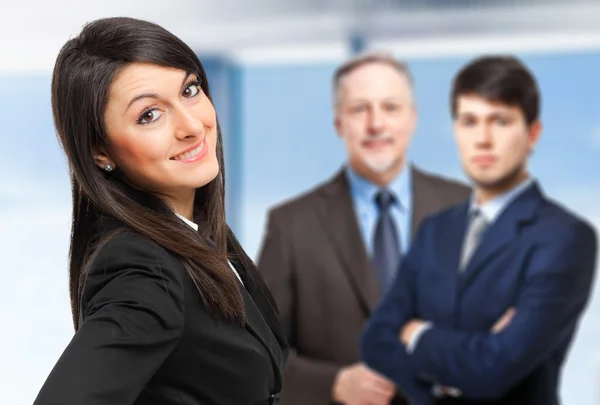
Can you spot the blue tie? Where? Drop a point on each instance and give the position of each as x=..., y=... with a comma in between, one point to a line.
x=386, y=249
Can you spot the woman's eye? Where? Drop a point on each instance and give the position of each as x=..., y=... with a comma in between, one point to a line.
x=148, y=117
x=192, y=90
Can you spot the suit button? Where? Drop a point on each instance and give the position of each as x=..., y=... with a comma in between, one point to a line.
x=274, y=399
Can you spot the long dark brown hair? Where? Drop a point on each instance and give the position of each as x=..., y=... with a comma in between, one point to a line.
x=84, y=71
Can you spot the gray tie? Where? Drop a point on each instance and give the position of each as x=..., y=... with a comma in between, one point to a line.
x=477, y=226
x=386, y=248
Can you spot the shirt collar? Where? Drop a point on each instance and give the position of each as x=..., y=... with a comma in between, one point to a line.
x=493, y=208
x=366, y=190
x=193, y=225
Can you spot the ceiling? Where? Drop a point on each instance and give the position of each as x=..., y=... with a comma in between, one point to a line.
x=32, y=31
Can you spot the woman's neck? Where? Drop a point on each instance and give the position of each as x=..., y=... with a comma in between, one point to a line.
x=184, y=205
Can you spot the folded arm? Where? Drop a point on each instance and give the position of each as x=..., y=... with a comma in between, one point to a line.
x=484, y=365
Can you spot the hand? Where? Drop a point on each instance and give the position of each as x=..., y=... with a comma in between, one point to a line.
x=358, y=385
x=409, y=329
x=504, y=321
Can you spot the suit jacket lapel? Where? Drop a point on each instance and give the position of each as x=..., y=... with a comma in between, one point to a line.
x=256, y=287
x=257, y=313
x=421, y=197
x=504, y=229
x=451, y=238
x=445, y=252
x=426, y=199
x=341, y=226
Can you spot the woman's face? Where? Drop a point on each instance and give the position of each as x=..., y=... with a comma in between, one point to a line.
x=162, y=130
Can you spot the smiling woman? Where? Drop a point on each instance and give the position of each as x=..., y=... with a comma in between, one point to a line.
x=167, y=306
x=146, y=102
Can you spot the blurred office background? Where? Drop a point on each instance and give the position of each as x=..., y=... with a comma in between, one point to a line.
x=270, y=63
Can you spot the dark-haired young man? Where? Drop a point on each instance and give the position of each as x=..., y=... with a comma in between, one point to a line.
x=487, y=301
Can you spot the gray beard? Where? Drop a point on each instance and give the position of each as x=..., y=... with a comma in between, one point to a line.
x=380, y=165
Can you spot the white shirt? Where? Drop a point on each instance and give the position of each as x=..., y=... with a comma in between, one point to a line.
x=194, y=226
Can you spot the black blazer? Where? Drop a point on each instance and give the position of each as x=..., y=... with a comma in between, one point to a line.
x=147, y=339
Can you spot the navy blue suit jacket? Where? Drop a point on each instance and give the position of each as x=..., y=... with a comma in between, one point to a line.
x=536, y=257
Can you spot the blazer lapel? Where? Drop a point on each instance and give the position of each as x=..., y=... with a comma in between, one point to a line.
x=422, y=200
x=451, y=237
x=256, y=287
x=341, y=226
x=445, y=253
x=427, y=198
x=257, y=324
x=504, y=229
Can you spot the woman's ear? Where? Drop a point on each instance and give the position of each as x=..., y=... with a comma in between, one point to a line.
x=103, y=160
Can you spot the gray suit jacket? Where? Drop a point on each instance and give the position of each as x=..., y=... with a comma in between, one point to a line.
x=314, y=262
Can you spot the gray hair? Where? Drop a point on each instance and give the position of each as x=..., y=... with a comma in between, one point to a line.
x=368, y=58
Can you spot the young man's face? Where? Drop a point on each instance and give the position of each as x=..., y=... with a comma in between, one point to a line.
x=494, y=141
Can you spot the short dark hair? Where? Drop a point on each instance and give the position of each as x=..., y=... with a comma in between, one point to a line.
x=503, y=79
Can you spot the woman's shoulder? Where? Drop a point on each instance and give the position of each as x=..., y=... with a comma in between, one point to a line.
x=130, y=277
x=126, y=254
x=126, y=246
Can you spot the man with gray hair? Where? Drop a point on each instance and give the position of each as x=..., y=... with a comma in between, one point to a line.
x=329, y=254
